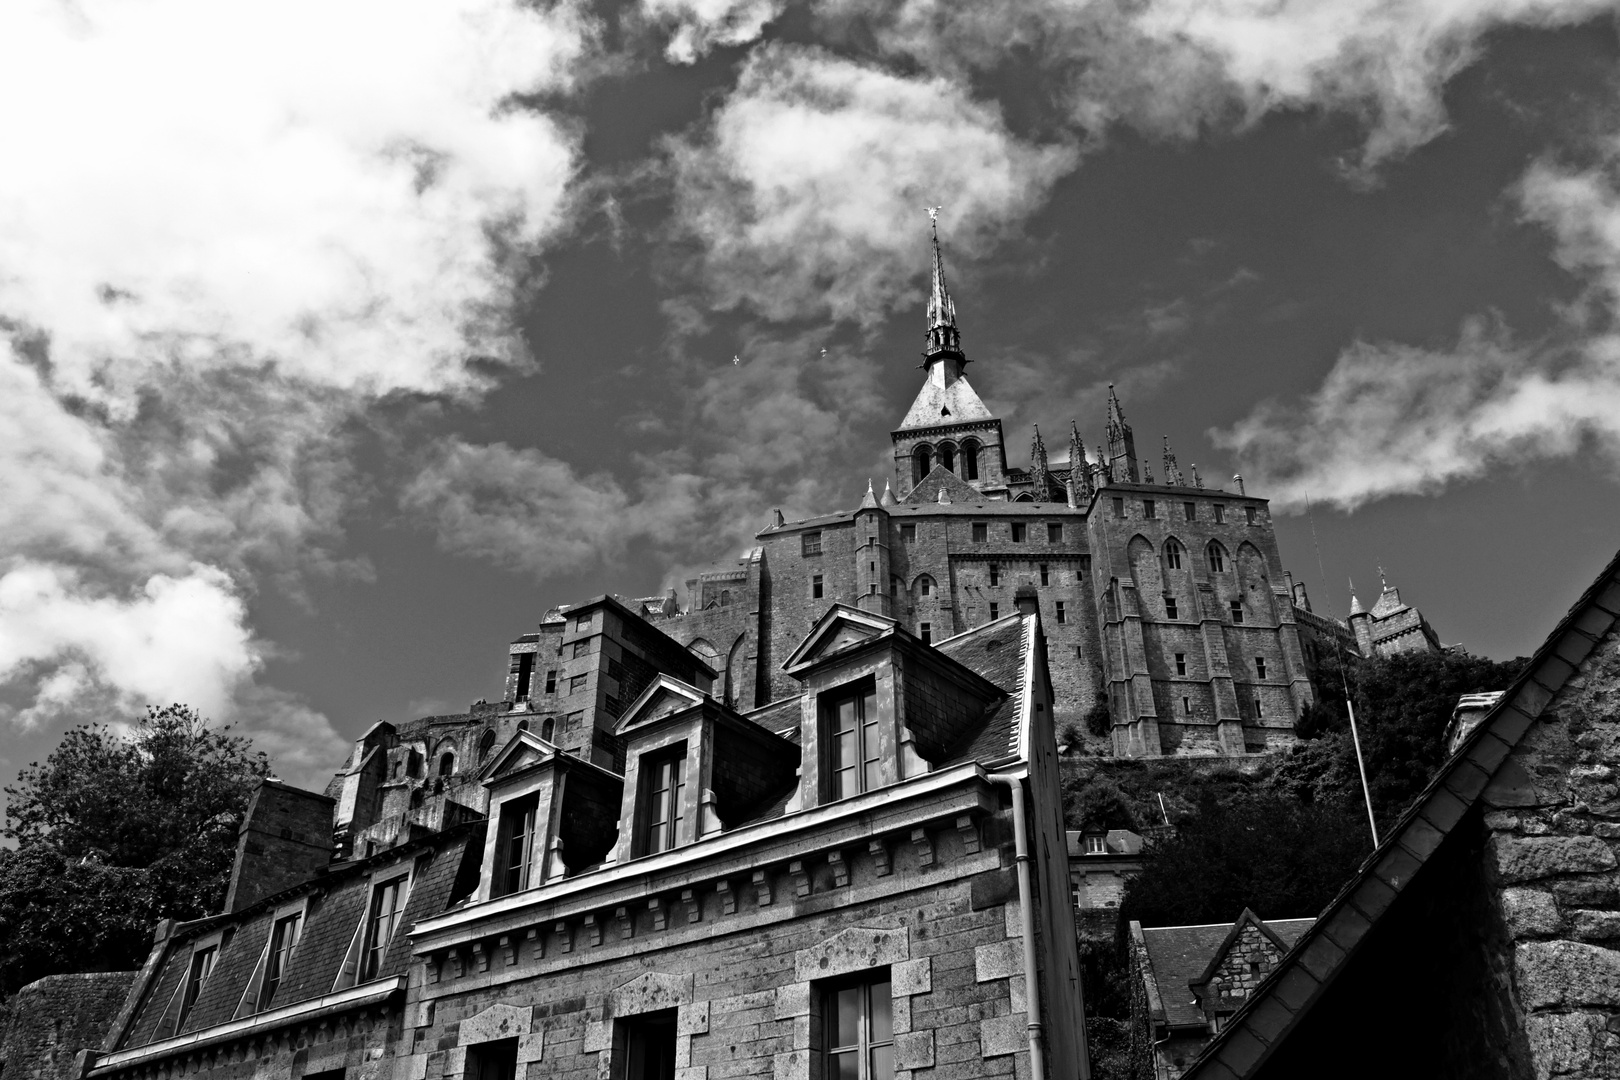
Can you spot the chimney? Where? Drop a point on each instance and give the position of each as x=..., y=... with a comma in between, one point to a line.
x=1027, y=599
x=285, y=839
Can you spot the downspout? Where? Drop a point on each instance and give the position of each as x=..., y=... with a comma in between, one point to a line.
x=1026, y=914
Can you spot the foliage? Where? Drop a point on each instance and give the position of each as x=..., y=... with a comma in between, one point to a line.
x=1276, y=855
x=114, y=832
x=1098, y=720
x=1103, y=804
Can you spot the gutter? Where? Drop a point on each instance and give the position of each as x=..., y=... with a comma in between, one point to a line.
x=1026, y=913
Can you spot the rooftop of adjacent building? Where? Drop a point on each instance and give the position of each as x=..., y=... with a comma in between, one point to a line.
x=1180, y=955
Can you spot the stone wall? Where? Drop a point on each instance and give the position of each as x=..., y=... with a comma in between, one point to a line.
x=53, y=1018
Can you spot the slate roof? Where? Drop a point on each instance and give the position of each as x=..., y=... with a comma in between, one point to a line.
x=941, y=406
x=1299, y=982
x=998, y=652
x=1179, y=956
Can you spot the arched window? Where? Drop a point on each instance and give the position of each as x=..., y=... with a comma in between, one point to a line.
x=725, y=597
x=1025, y=497
x=921, y=459
x=447, y=764
x=485, y=746
x=1172, y=553
x=925, y=586
x=523, y=725
x=548, y=728
x=413, y=764
x=970, y=460
x=1217, y=559
x=947, y=456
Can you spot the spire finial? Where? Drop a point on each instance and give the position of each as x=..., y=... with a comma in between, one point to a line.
x=1121, y=443
x=943, y=336
x=1172, y=471
x=1038, y=471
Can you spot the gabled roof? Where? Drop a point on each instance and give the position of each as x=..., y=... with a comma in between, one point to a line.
x=940, y=479
x=1177, y=958
x=1248, y=918
x=1000, y=652
x=664, y=695
x=937, y=406
x=521, y=750
x=1284, y=999
x=839, y=627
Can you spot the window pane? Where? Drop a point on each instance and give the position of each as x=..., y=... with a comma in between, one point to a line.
x=881, y=1029
x=845, y=1018
x=882, y=1063
x=845, y=1066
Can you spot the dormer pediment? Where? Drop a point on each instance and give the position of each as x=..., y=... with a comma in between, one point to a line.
x=665, y=696
x=840, y=629
x=522, y=751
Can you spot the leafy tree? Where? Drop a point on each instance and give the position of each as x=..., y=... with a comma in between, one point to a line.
x=114, y=832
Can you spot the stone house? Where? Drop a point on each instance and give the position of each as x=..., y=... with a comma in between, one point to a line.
x=1101, y=861
x=867, y=878
x=1482, y=938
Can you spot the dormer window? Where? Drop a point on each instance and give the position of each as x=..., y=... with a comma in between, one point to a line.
x=283, y=940
x=851, y=724
x=202, y=965
x=387, y=905
x=663, y=781
x=514, y=850
x=1096, y=844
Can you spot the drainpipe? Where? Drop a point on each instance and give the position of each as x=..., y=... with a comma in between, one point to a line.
x=1026, y=914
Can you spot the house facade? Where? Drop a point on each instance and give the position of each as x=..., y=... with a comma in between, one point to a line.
x=867, y=878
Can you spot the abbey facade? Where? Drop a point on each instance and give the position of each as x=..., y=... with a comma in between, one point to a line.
x=1165, y=602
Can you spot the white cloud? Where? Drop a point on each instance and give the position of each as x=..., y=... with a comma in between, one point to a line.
x=225, y=230
x=806, y=189
x=1396, y=419
x=697, y=26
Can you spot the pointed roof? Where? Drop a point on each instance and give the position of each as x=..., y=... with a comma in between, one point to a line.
x=1116, y=411
x=888, y=495
x=869, y=500
x=662, y=697
x=941, y=308
x=839, y=627
x=941, y=481
x=937, y=405
x=1482, y=763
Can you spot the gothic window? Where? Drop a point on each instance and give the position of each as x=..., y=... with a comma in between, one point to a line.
x=387, y=905
x=857, y=1024
x=921, y=462
x=947, y=456
x=486, y=745
x=850, y=724
x=1217, y=559
x=1025, y=497
x=514, y=846
x=970, y=460
x=1172, y=553
x=663, y=786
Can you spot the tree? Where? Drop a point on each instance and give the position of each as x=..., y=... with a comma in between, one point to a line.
x=114, y=832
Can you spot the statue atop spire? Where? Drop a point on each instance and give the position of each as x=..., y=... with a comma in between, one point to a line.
x=944, y=340
x=1121, y=444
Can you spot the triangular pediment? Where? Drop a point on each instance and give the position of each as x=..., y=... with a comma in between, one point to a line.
x=521, y=751
x=664, y=696
x=953, y=404
x=841, y=628
x=941, y=479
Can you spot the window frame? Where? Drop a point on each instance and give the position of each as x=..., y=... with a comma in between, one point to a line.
x=1192, y=510
x=1059, y=611
x=1054, y=532
x=810, y=543
x=255, y=998
x=519, y=808
x=908, y=532
x=1235, y=609
x=925, y=633
x=673, y=805
x=1171, y=610
x=1150, y=509
x=866, y=986
x=1173, y=551
x=1018, y=532
x=818, y=586
x=1181, y=663
x=1260, y=667
x=1220, y=513
x=995, y=611
x=865, y=726
x=1044, y=574
x=979, y=531
x=1215, y=556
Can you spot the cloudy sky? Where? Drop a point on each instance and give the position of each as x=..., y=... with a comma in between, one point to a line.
x=338, y=340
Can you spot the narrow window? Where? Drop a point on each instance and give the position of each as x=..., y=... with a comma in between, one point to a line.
x=1150, y=508
x=1186, y=706
x=725, y=597
x=995, y=574
x=871, y=568
x=947, y=457
x=1020, y=532
x=447, y=764
x=920, y=464
x=514, y=847
x=1170, y=608
x=894, y=586
x=925, y=585
x=582, y=623
x=1248, y=513
x=387, y=905
x=908, y=534
x=1043, y=574
x=495, y=1060
x=1237, y=610
x=551, y=681
x=853, y=765
x=1060, y=617
x=812, y=543
x=995, y=612
x=1054, y=532
x=858, y=1024
x=664, y=784
x=1181, y=663
x=1172, y=554
x=202, y=964
x=525, y=675
x=1259, y=710
x=970, y=460
x=925, y=631
x=1085, y=568
x=981, y=532
x=649, y=1046
x=283, y=939
x=548, y=729
x=576, y=684
x=486, y=746
x=1192, y=511
x=1217, y=559
x=581, y=648
x=1260, y=667
x=816, y=587
x=1220, y=514
x=1119, y=508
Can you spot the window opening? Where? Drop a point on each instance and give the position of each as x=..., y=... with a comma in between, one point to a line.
x=1170, y=611
x=1060, y=615
x=1248, y=513
x=920, y=463
x=1020, y=532
x=548, y=729
x=1260, y=667
x=387, y=905
x=1150, y=508
x=1220, y=514
x=1096, y=845
x=995, y=612
x=908, y=534
x=926, y=632
x=812, y=543
x=1043, y=574
x=665, y=786
x=970, y=460
x=1054, y=532
x=852, y=745
x=1217, y=560
x=947, y=457
x=1186, y=706
x=859, y=1029
x=649, y=1045
x=202, y=964
x=815, y=587
x=1237, y=610
x=1181, y=663
x=551, y=681
x=1259, y=711
x=1172, y=554
x=981, y=532
x=995, y=574
x=1192, y=511
x=925, y=585
x=283, y=939
x=1085, y=568
x=447, y=764
x=495, y=1060
x=514, y=851
x=486, y=745
x=525, y=674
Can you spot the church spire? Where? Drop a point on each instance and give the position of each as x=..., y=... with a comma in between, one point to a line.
x=1038, y=471
x=1172, y=472
x=1121, y=444
x=944, y=340
x=1079, y=470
